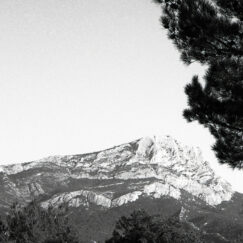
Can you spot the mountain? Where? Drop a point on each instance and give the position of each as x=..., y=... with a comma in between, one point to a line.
x=155, y=173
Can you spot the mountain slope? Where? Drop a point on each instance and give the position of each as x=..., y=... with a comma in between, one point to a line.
x=145, y=172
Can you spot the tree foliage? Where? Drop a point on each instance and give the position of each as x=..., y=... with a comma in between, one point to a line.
x=33, y=224
x=211, y=32
x=143, y=228
x=3, y=231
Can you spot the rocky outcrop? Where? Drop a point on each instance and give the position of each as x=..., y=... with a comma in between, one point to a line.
x=154, y=167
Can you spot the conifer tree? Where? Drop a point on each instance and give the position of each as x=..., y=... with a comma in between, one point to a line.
x=142, y=227
x=211, y=33
x=33, y=224
x=3, y=231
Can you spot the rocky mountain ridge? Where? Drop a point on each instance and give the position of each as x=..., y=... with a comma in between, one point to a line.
x=157, y=173
x=173, y=167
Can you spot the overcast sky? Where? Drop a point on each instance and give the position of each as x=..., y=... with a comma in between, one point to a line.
x=78, y=76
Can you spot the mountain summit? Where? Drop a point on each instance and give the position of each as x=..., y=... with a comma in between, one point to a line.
x=166, y=167
x=151, y=169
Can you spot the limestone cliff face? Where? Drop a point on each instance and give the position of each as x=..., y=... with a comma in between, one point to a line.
x=154, y=167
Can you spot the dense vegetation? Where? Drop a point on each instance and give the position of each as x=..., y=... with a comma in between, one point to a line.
x=141, y=227
x=33, y=224
x=211, y=33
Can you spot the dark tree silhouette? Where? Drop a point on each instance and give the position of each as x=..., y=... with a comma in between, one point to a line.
x=211, y=32
x=3, y=231
x=143, y=228
x=33, y=224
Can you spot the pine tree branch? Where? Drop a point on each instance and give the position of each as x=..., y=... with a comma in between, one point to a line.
x=225, y=125
x=236, y=51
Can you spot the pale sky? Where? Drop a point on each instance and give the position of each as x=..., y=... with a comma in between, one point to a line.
x=78, y=76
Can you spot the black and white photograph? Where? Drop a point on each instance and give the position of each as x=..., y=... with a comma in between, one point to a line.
x=121, y=121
